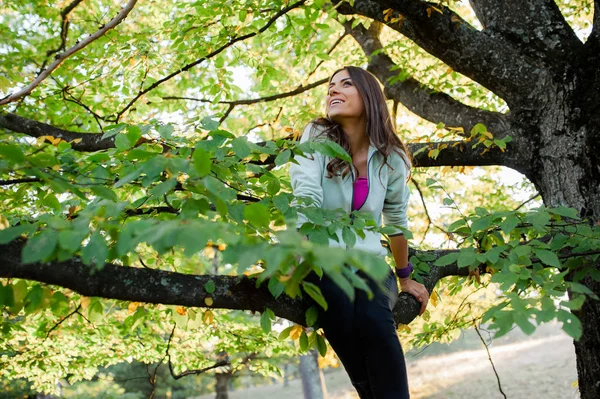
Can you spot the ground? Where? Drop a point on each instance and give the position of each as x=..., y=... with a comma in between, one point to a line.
x=539, y=366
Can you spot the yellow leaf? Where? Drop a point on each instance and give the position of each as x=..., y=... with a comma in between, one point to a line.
x=284, y=278
x=208, y=317
x=41, y=139
x=208, y=301
x=209, y=251
x=75, y=141
x=263, y=157
x=221, y=247
x=575, y=384
x=295, y=332
x=131, y=308
x=403, y=327
x=181, y=310
x=434, y=299
x=4, y=224
x=85, y=302
x=438, y=10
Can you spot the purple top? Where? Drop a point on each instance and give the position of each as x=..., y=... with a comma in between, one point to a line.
x=361, y=190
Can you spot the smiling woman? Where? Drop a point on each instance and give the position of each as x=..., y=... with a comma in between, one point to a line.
x=362, y=331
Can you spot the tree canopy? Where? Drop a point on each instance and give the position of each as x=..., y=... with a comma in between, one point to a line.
x=143, y=158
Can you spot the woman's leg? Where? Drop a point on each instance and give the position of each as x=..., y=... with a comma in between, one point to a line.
x=338, y=323
x=382, y=352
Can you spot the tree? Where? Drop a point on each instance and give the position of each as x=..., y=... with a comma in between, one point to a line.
x=106, y=198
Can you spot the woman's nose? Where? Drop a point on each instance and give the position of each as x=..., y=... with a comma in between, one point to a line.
x=333, y=90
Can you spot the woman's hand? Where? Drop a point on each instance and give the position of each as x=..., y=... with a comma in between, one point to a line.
x=417, y=290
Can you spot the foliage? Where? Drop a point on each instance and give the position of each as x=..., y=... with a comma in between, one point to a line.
x=196, y=182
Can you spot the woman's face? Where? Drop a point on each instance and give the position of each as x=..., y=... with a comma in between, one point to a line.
x=343, y=99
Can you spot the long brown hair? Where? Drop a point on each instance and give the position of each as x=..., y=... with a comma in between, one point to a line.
x=379, y=126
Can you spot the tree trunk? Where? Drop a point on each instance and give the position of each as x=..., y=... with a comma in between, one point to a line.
x=222, y=389
x=313, y=383
x=567, y=173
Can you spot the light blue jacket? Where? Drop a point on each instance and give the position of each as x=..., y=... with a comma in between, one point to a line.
x=388, y=192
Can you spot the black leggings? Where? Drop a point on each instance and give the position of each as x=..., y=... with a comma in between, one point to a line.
x=363, y=335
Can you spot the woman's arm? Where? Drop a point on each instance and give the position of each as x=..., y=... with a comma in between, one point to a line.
x=399, y=246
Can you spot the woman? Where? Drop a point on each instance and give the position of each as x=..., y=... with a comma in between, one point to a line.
x=362, y=332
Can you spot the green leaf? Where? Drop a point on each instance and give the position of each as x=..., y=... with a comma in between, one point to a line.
x=478, y=129
x=547, y=257
x=165, y=131
x=447, y=259
x=564, y=211
x=113, y=130
x=40, y=247
x=265, y=322
x=321, y=345
x=6, y=296
x=164, y=187
x=7, y=235
x=208, y=123
x=312, y=314
x=571, y=324
x=285, y=333
x=481, y=224
x=202, y=161
x=70, y=240
x=96, y=250
x=523, y=322
x=240, y=147
x=276, y=287
x=509, y=224
x=315, y=293
x=258, y=215
x=209, y=287
x=466, y=258
x=283, y=157
x=349, y=237
x=104, y=192
x=34, y=297
x=12, y=152
x=303, y=341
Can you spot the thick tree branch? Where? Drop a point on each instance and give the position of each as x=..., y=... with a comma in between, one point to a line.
x=594, y=39
x=427, y=103
x=534, y=26
x=490, y=61
x=89, y=141
x=189, y=66
x=169, y=288
x=62, y=57
x=462, y=153
x=158, y=286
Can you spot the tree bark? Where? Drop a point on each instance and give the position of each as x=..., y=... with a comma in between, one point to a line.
x=313, y=383
x=222, y=386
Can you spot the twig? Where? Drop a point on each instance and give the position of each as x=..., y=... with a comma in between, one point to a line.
x=418, y=187
x=220, y=363
x=64, y=31
x=19, y=181
x=529, y=200
x=61, y=58
x=62, y=320
x=208, y=56
x=487, y=349
x=298, y=90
